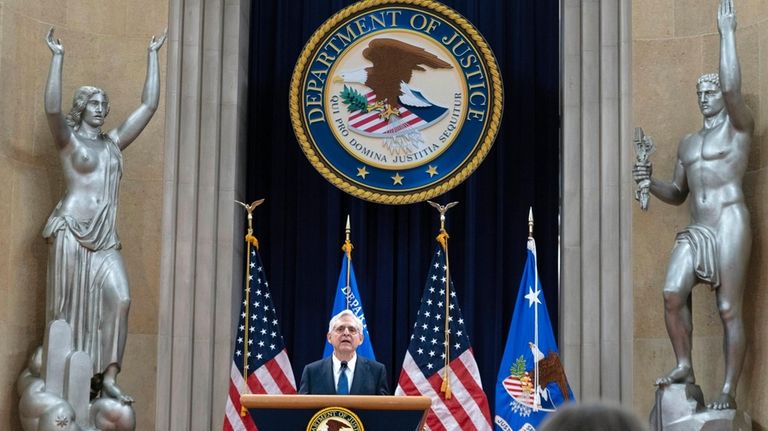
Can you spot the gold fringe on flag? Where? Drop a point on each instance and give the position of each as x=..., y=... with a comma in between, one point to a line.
x=445, y=387
x=442, y=238
x=347, y=248
x=250, y=240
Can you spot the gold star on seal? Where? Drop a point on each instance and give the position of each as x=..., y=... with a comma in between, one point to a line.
x=432, y=171
x=397, y=179
x=362, y=172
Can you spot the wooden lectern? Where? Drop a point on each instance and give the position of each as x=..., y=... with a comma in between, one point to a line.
x=376, y=413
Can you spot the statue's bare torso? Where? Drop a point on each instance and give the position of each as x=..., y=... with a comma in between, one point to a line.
x=715, y=161
x=84, y=163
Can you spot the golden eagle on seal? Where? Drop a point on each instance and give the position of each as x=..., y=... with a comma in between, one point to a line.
x=393, y=64
x=334, y=425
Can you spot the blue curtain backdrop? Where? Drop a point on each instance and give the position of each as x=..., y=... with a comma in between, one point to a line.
x=301, y=224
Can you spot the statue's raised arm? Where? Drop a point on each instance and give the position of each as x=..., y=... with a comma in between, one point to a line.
x=56, y=121
x=730, y=70
x=127, y=132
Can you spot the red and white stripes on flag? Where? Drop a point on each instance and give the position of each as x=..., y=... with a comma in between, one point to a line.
x=274, y=377
x=463, y=404
x=467, y=409
x=259, y=350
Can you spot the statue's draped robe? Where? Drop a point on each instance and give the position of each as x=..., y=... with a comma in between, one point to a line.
x=87, y=285
x=703, y=243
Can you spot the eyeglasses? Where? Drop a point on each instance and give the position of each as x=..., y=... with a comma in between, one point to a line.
x=341, y=328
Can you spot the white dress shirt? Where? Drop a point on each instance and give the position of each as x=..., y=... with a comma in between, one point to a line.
x=337, y=370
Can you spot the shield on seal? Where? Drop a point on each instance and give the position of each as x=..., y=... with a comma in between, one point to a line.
x=409, y=118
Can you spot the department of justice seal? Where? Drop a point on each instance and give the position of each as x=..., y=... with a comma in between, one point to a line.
x=335, y=419
x=396, y=101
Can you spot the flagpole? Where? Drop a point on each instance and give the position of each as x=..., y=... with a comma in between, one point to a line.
x=347, y=248
x=250, y=240
x=442, y=238
x=536, y=397
x=446, y=386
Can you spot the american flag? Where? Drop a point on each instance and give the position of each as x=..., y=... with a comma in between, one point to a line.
x=464, y=405
x=259, y=348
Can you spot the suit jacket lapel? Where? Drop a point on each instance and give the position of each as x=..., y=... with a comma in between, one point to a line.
x=328, y=377
x=360, y=372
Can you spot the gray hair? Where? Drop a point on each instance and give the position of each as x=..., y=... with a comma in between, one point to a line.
x=346, y=312
x=712, y=78
x=82, y=96
x=591, y=417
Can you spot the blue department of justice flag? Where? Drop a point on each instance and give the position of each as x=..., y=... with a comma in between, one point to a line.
x=348, y=297
x=531, y=382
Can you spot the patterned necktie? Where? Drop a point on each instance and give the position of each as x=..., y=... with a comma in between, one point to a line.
x=343, y=386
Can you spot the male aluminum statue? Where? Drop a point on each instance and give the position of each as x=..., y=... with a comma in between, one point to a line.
x=715, y=248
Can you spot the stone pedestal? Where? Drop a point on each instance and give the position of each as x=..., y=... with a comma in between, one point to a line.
x=54, y=390
x=680, y=407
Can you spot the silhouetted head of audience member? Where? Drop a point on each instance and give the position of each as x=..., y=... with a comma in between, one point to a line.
x=591, y=417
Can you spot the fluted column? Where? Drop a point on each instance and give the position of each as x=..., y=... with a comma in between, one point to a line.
x=205, y=144
x=596, y=333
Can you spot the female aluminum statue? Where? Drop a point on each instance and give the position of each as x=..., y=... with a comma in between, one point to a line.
x=87, y=282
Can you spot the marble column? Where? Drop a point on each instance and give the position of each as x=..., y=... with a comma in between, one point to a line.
x=205, y=154
x=596, y=322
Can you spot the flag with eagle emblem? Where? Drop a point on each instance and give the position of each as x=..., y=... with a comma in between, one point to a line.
x=531, y=382
x=439, y=362
x=260, y=363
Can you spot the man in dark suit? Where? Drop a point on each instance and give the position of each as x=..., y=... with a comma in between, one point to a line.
x=344, y=372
